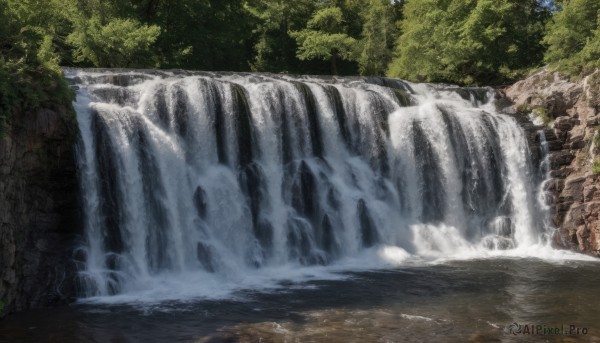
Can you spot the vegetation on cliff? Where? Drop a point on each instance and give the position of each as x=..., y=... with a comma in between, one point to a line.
x=30, y=76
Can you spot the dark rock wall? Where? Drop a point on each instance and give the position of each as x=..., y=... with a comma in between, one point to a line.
x=572, y=119
x=38, y=210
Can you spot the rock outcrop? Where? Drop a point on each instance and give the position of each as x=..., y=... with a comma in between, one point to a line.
x=571, y=115
x=38, y=210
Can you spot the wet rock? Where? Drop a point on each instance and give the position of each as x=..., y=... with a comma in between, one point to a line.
x=582, y=237
x=328, y=238
x=563, y=124
x=555, y=145
x=502, y=226
x=574, y=188
x=368, y=228
x=561, y=173
x=498, y=243
x=577, y=142
x=38, y=209
x=589, y=192
x=200, y=202
x=263, y=232
x=561, y=158
x=555, y=186
x=203, y=251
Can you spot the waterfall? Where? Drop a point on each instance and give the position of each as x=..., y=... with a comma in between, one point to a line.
x=200, y=176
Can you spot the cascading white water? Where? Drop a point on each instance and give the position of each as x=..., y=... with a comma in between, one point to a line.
x=197, y=177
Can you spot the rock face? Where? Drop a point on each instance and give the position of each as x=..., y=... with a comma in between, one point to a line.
x=571, y=114
x=38, y=210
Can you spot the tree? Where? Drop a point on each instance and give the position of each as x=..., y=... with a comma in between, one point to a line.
x=275, y=50
x=30, y=75
x=191, y=34
x=114, y=43
x=202, y=34
x=573, y=38
x=378, y=35
x=468, y=41
x=324, y=38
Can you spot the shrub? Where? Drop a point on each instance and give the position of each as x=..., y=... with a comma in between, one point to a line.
x=596, y=166
x=541, y=113
x=596, y=140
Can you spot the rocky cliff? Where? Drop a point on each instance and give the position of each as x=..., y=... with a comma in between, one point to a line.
x=569, y=111
x=38, y=209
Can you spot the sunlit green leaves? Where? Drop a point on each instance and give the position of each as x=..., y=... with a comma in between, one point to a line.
x=324, y=38
x=118, y=43
x=573, y=37
x=468, y=41
x=377, y=38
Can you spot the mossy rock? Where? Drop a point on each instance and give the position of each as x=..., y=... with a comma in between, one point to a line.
x=402, y=96
x=479, y=94
x=596, y=166
x=540, y=112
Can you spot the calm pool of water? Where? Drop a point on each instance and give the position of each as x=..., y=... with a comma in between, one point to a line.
x=460, y=301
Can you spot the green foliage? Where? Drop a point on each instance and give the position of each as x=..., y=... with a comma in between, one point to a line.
x=541, y=113
x=118, y=43
x=523, y=108
x=30, y=76
x=537, y=111
x=1, y=308
x=593, y=90
x=378, y=35
x=596, y=166
x=573, y=38
x=354, y=36
x=262, y=35
x=596, y=140
x=324, y=38
x=275, y=50
x=200, y=34
x=468, y=41
x=402, y=97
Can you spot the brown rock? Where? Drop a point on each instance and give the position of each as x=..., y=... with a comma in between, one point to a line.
x=592, y=208
x=576, y=215
x=593, y=121
x=561, y=158
x=582, y=237
x=595, y=239
x=561, y=173
x=573, y=190
x=555, y=145
x=563, y=124
x=589, y=192
x=554, y=186
x=577, y=142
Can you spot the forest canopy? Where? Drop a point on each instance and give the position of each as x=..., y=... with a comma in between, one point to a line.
x=467, y=42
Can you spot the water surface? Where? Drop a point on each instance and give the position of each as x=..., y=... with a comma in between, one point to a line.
x=460, y=301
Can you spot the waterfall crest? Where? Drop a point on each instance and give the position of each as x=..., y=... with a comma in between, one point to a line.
x=211, y=174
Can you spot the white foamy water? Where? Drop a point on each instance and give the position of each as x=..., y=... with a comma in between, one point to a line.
x=199, y=185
